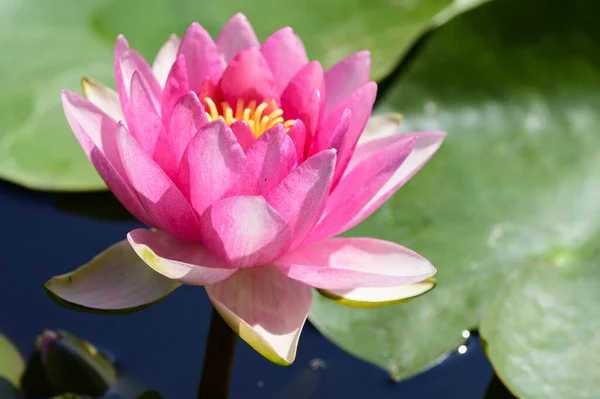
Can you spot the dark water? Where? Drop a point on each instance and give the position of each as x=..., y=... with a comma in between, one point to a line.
x=164, y=345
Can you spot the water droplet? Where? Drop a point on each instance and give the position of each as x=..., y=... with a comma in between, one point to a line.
x=462, y=349
x=466, y=334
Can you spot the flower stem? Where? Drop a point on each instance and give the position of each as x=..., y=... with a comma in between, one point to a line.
x=218, y=359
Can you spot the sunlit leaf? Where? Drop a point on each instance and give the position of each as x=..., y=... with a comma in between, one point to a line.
x=542, y=329
x=516, y=182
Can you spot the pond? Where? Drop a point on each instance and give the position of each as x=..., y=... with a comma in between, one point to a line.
x=163, y=345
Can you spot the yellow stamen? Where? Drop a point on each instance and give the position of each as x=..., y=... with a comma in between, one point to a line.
x=212, y=108
x=239, y=109
x=256, y=117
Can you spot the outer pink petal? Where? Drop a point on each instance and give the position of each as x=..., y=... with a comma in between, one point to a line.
x=300, y=197
x=103, y=97
x=165, y=58
x=184, y=261
x=236, y=36
x=346, y=77
x=345, y=263
x=158, y=194
x=374, y=297
x=126, y=63
x=426, y=145
x=381, y=125
x=146, y=125
x=360, y=103
x=176, y=86
x=187, y=118
x=271, y=157
x=248, y=77
x=114, y=280
x=298, y=135
x=214, y=166
x=285, y=55
x=298, y=91
x=201, y=56
x=96, y=132
x=265, y=308
x=357, y=188
x=245, y=231
x=244, y=135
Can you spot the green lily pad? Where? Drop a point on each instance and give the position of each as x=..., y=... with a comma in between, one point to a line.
x=330, y=30
x=550, y=347
x=516, y=181
x=11, y=362
x=53, y=44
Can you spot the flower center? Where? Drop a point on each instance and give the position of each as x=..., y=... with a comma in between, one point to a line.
x=258, y=118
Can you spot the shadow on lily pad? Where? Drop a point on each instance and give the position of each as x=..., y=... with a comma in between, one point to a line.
x=497, y=390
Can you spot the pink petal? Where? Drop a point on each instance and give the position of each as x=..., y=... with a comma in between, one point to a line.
x=344, y=263
x=115, y=280
x=299, y=90
x=245, y=231
x=175, y=87
x=187, y=118
x=146, y=125
x=271, y=157
x=374, y=297
x=184, y=261
x=236, y=36
x=285, y=55
x=248, y=77
x=103, y=97
x=310, y=119
x=214, y=166
x=339, y=142
x=244, y=135
x=165, y=58
x=158, y=194
x=427, y=143
x=381, y=125
x=92, y=127
x=300, y=197
x=164, y=156
x=298, y=135
x=127, y=62
x=360, y=103
x=265, y=308
x=345, y=77
x=201, y=56
x=357, y=188
x=95, y=131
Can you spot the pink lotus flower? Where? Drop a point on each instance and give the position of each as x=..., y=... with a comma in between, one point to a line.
x=245, y=159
